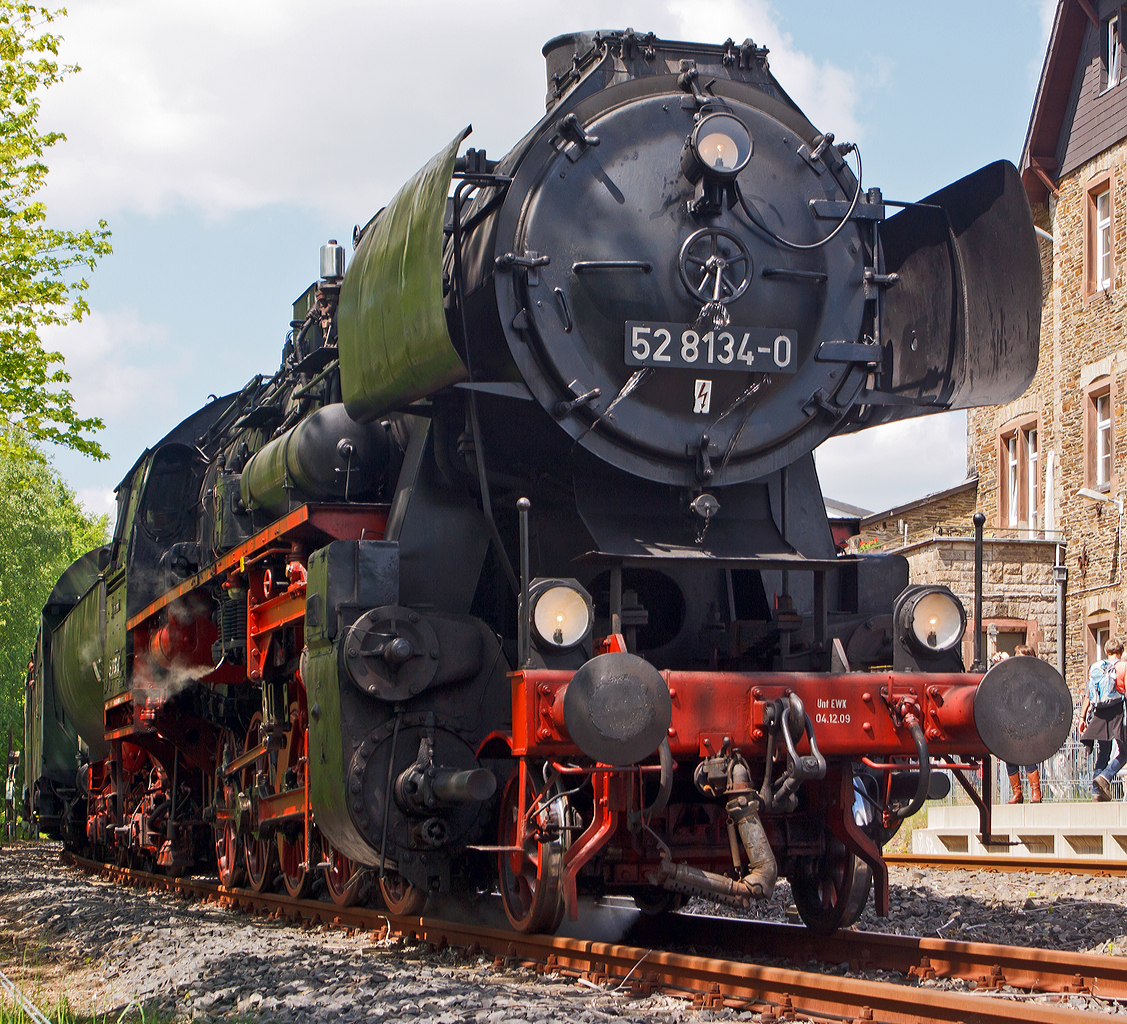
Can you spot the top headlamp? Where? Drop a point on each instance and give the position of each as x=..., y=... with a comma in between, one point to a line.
x=718, y=148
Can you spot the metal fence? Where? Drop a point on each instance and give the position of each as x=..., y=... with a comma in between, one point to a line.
x=1065, y=777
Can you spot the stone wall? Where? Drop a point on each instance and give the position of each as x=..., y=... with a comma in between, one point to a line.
x=1018, y=593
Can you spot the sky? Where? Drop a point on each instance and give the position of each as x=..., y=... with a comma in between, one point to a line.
x=225, y=142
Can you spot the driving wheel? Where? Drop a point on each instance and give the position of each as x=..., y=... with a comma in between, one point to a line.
x=297, y=874
x=228, y=842
x=343, y=878
x=401, y=897
x=833, y=895
x=531, y=861
x=261, y=855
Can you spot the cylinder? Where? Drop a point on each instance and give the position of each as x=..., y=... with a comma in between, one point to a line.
x=186, y=643
x=326, y=456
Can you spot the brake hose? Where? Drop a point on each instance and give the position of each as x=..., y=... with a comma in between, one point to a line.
x=924, y=758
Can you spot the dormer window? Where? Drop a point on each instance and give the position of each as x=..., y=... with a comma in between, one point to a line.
x=1112, y=59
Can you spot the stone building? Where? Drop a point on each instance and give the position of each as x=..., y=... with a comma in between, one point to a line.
x=1048, y=469
x=936, y=534
x=1052, y=463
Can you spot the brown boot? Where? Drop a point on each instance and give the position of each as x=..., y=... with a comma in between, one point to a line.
x=1015, y=785
x=1035, y=787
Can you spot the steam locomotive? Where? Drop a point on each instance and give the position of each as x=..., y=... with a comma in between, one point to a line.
x=517, y=572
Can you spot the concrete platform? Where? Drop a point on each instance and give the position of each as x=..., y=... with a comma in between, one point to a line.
x=1097, y=830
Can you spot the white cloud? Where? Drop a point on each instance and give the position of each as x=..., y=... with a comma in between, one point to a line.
x=121, y=368
x=887, y=466
x=98, y=501
x=223, y=107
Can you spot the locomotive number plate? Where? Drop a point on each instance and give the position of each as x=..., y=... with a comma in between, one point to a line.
x=683, y=347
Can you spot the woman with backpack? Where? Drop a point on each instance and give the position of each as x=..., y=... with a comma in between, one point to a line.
x=1103, y=715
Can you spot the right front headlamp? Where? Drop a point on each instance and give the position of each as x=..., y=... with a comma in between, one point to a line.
x=930, y=618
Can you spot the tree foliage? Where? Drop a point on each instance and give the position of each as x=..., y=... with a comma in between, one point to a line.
x=42, y=530
x=39, y=265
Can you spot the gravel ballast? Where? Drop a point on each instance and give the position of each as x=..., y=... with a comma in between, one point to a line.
x=105, y=947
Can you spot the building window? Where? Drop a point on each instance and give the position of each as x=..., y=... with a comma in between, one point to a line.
x=1018, y=470
x=1112, y=58
x=1103, y=239
x=1099, y=440
x=1103, y=440
x=1011, y=479
x=1099, y=231
x=1099, y=633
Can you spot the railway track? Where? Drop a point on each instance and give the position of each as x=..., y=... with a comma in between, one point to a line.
x=1005, y=862
x=640, y=966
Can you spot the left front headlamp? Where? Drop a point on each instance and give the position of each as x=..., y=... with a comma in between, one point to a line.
x=561, y=613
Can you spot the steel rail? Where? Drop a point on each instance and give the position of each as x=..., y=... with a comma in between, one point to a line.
x=776, y=993
x=1005, y=862
x=989, y=965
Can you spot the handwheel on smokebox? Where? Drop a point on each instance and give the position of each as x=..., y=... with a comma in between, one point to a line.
x=834, y=895
x=531, y=868
x=228, y=842
x=343, y=878
x=261, y=854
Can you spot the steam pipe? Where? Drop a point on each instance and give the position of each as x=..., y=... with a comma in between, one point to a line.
x=759, y=881
x=171, y=831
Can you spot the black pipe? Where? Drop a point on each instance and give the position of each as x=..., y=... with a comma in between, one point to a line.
x=978, y=520
x=924, y=758
x=524, y=625
x=665, y=787
x=171, y=832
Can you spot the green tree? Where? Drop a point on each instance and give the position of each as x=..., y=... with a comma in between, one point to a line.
x=39, y=265
x=43, y=529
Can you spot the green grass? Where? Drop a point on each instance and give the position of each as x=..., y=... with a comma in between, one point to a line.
x=61, y=1012
x=902, y=841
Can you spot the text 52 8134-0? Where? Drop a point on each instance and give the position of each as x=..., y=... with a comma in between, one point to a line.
x=684, y=347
